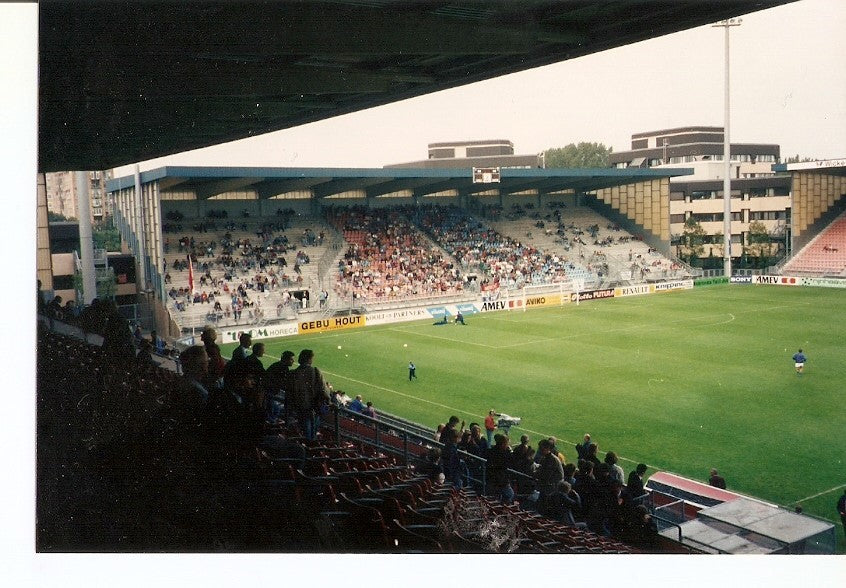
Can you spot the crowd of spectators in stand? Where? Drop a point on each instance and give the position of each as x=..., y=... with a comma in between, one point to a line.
x=390, y=257
x=509, y=263
x=229, y=271
x=590, y=493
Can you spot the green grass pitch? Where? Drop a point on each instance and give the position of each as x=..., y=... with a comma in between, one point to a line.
x=682, y=381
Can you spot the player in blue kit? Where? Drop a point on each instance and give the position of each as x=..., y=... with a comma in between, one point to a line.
x=799, y=360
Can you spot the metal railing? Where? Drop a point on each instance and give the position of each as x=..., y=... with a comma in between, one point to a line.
x=393, y=435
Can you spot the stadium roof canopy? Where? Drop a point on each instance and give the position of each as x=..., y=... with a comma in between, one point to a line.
x=121, y=82
x=207, y=182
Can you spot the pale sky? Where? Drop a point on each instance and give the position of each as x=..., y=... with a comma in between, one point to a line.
x=788, y=86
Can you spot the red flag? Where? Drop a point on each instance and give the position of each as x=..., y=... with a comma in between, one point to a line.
x=190, y=275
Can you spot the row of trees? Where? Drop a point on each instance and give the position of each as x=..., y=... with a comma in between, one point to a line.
x=758, y=252
x=580, y=156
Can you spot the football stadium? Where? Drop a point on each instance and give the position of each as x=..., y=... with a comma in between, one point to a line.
x=449, y=359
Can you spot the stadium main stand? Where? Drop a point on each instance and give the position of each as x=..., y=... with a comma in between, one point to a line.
x=597, y=251
x=255, y=270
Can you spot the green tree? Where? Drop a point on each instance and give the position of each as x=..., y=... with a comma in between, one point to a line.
x=581, y=155
x=691, y=246
x=759, y=243
x=53, y=217
x=107, y=238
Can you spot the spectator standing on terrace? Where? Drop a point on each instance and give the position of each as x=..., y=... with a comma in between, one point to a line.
x=635, y=482
x=799, y=360
x=548, y=475
x=254, y=361
x=216, y=361
x=277, y=376
x=277, y=380
x=450, y=460
x=581, y=448
x=521, y=455
x=238, y=411
x=476, y=444
x=490, y=426
x=591, y=455
x=243, y=350
x=452, y=424
x=716, y=480
x=616, y=471
x=438, y=431
x=308, y=394
x=191, y=395
x=499, y=460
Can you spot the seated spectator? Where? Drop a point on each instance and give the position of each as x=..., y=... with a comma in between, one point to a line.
x=356, y=405
x=369, y=410
x=431, y=466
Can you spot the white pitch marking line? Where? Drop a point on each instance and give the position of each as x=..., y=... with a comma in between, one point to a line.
x=821, y=493
x=406, y=332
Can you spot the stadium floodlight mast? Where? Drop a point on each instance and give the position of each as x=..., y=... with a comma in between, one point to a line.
x=727, y=24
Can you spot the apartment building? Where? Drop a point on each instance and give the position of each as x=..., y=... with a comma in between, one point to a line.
x=63, y=194
x=757, y=192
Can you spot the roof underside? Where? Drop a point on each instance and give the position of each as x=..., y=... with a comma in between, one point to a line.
x=121, y=82
x=208, y=182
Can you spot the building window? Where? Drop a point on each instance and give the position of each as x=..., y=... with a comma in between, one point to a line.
x=768, y=215
x=63, y=282
x=703, y=195
x=676, y=218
